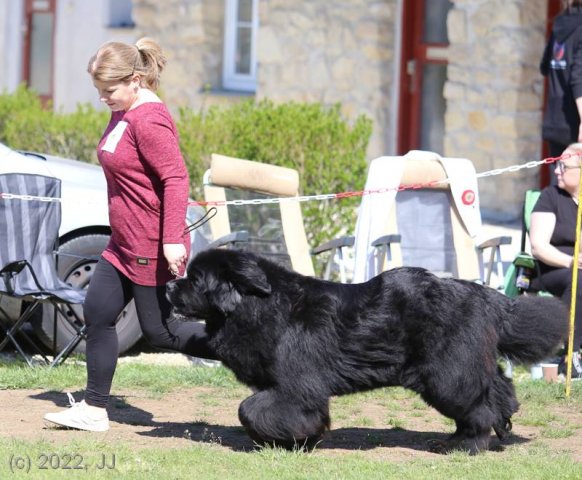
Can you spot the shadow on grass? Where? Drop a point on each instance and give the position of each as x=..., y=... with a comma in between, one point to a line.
x=122, y=412
x=235, y=438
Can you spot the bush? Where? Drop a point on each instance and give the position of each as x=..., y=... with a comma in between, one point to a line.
x=328, y=151
x=15, y=104
x=26, y=125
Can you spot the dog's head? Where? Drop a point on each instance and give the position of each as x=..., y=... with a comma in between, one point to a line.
x=215, y=283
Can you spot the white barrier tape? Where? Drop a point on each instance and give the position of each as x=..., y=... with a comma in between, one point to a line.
x=323, y=196
x=12, y=196
x=333, y=196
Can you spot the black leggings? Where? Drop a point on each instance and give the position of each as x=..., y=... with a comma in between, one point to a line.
x=109, y=292
x=558, y=282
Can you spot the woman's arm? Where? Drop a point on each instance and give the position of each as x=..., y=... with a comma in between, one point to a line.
x=158, y=145
x=540, y=233
x=545, y=61
x=576, y=76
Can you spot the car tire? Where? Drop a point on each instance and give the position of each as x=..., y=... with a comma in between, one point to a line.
x=76, y=262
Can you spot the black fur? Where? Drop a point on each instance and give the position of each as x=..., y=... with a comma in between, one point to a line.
x=298, y=340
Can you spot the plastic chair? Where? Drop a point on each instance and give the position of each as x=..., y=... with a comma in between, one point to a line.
x=30, y=213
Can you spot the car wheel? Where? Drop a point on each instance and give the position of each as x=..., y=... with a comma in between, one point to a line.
x=76, y=269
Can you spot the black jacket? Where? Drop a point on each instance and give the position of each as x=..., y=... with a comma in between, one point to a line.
x=562, y=63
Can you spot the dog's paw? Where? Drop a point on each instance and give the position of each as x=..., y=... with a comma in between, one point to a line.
x=456, y=443
x=438, y=446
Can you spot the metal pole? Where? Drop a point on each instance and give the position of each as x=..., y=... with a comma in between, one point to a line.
x=570, y=351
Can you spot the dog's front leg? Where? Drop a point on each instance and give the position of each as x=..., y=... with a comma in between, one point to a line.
x=271, y=418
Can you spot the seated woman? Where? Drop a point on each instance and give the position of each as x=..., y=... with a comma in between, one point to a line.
x=552, y=237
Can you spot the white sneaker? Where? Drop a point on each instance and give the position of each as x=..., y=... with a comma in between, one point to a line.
x=80, y=416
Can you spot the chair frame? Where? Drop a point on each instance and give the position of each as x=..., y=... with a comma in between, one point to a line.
x=37, y=298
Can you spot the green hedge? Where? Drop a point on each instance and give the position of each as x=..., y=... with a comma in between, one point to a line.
x=328, y=151
x=26, y=125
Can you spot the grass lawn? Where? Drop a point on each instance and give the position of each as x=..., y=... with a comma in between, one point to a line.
x=375, y=435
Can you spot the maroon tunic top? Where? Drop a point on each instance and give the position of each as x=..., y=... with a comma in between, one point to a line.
x=147, y=189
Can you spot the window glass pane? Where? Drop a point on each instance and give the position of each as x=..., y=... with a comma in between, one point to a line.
x=243, y=50
x=120, y=13
x=245, y=10
x=240, y=64
x=435, y=23
x=41, y=40
x=433, y=105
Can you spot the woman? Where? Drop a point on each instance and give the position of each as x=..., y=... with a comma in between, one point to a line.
x=553, y=237
x=147, y=185
x=562, y=64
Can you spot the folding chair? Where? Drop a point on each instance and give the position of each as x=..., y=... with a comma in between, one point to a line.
x=425, y=214
x=30, y=214
x=271, y=228
x=524, y=266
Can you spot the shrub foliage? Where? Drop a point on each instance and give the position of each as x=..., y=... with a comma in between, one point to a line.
x=328, y=150
x=25, y=124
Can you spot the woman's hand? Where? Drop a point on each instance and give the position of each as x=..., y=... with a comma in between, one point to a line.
x=176, y=256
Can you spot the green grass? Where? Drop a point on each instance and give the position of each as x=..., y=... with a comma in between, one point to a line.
x=557, y=432
x=210, y=461
x=153, y=379
x=207, y=458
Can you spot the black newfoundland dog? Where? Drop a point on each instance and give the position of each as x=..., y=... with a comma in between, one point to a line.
x=297, y=340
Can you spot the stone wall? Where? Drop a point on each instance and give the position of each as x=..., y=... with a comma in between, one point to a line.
x=191, y=34
x=313, y=50
x=494, y=95
x=344, y=51
x=340, y=51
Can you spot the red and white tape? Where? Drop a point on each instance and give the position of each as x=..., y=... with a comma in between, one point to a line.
x=327, y=196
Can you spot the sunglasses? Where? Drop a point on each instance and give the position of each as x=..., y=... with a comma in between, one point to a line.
x=562, y=167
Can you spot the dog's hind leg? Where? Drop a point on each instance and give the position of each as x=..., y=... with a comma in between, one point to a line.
x=477, y=413
x=494, y=411
x=504, y=403
x=469, y=408
x=271, y=418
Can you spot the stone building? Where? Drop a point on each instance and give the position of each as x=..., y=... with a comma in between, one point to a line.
x=458, y=77
x=480, y=91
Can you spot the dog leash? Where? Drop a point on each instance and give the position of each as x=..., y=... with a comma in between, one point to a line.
x=209, y=215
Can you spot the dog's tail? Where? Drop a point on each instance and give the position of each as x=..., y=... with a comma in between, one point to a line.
x=533, y=329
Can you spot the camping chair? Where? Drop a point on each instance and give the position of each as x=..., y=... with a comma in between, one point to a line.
x=30, y=213
x=524, y=266
x=272, y=229
x=427, y=215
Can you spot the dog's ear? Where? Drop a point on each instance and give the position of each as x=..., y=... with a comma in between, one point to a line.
x=247, y=276
x=224, y=298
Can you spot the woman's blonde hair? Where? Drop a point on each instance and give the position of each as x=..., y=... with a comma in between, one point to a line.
x=118, y=61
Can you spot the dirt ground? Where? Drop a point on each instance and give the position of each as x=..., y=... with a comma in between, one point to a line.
x=200, y=415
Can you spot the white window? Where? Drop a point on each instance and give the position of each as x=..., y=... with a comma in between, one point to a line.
x=118, y=14
x=241, y=23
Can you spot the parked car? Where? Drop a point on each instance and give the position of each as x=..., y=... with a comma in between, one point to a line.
x=83, y=234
